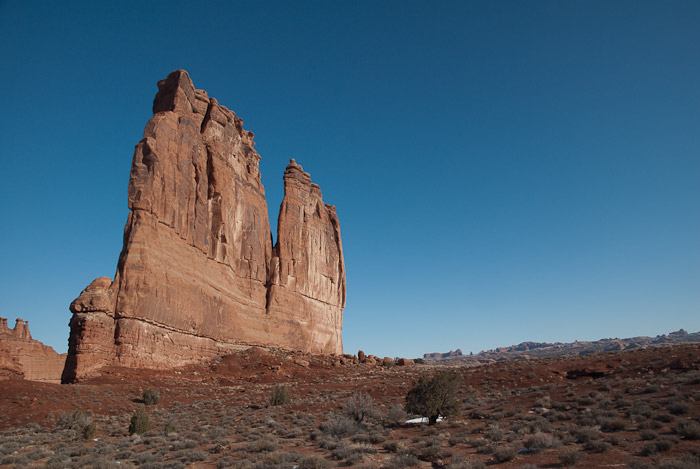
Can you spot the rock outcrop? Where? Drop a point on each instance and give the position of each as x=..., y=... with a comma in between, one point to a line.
x=198, y=275
x=23, y=357
x=436, y=355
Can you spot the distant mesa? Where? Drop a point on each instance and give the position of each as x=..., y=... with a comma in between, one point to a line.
x=198, y=275
x=23, y=357
x=532, y=350
x=435, y=355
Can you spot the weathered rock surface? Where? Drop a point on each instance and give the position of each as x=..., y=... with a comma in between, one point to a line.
x=198, y=275
x=23, y=357
x=308, y=271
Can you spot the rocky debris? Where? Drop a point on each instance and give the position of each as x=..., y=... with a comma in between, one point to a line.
x=198, y=275
x=361, y=356
x=24, y=357
x=405, y=362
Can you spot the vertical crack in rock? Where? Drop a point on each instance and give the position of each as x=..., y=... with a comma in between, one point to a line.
x=198, y=275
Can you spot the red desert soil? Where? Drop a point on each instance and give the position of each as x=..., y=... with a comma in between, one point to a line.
x=606, y=410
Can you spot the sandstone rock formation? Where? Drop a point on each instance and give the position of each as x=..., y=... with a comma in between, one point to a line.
x=23, y=357
x=198, y=275
x=436, y=355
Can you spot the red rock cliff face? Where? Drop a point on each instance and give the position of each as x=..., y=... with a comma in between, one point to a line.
x=308, y=271
x=23, y=357
x=196, y=276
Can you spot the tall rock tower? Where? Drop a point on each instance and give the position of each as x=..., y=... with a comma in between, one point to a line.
x=198, y=275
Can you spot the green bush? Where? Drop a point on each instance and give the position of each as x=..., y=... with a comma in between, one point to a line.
x=150, y=396
x=140, y=422
x=280, y=395
x=435, y=397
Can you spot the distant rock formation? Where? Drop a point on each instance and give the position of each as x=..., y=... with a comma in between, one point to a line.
x=436, y=355
x=198, y=275
x=23, y=357
x=532, y=350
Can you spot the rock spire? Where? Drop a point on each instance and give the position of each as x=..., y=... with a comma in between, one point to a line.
x=198, y=275
x=24, y=357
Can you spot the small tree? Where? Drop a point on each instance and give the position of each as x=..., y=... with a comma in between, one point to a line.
x=436, y=396
x=140, y=422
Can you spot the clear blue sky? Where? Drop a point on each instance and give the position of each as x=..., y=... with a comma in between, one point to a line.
x=503, y=170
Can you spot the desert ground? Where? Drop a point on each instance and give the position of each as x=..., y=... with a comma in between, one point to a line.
x=272, y=409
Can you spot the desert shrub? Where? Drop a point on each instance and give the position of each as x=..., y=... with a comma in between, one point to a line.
x=650, y=424
x=613, y=425
x=339, y=426
x=570, y=457
x=688, y=429
x=504, y=454
x=679, y=408
x=360, y=406
x=169, y=428
x=458, y=462
x=596, y=446
x=280, y=395
x=436, y=396
x=315, y=462
x=140, y=422
x=686, y=462
x=80, y=422
x=394, y=446
x=89, y=431
x=637, y=464
x=403, y=460
x=648, y=435
x=658, y=446
x=395, y=416
x=150, y=396
x=478, y=443
x=494, y=433
x=457, y=439
x=540, y=442
x=662, y=417
x=266, y=444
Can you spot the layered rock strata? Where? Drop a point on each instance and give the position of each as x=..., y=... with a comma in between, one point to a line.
x=24, y=357
x=198, y=275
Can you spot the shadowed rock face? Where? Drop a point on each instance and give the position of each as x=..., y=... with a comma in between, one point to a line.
x=23, y=357
x=198, y=275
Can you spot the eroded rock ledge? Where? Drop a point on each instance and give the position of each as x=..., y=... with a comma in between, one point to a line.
x=198, y=275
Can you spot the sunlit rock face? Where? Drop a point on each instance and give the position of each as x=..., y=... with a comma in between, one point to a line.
x=198, y=275
x=24, y=357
